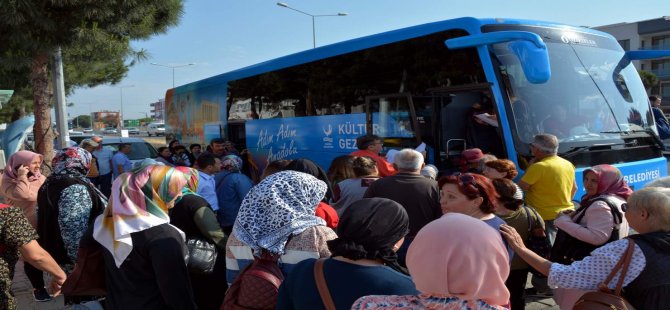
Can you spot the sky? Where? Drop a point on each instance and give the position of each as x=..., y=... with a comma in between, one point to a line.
x=218, y=36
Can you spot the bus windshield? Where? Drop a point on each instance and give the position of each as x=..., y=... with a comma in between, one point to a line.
x=594, y=94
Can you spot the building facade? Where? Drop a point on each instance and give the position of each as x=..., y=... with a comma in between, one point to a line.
x=653, y=34
x=158, y=109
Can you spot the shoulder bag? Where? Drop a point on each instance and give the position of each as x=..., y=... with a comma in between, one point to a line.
x=604, y=298
x=537, y=241
x=201, y=255
x=88, y=276
x=322, y=285
x=568, y=249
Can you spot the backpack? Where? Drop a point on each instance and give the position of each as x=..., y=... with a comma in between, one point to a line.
x=257, y=286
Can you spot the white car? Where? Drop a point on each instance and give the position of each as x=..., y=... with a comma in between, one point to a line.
x=156, y=129
x=110, y=131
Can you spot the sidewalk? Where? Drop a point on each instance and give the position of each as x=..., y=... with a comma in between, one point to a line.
x=23, y=292
x=24, y=296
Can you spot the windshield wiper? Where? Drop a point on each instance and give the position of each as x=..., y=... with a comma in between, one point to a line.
x=648, y=131
x=580, y=149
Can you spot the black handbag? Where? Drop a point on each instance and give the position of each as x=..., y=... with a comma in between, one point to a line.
x=537, y=241
x=201, y=255
x=568, y=249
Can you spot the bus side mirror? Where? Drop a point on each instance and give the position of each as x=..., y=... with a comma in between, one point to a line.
x=534, y=61
x=528, y=47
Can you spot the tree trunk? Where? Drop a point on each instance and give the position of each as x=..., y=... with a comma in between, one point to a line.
x=42, y=95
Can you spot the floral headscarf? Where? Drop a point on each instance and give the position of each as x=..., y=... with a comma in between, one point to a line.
x=24, y=158
x=141, y=200
x=232, y=163
x=610, y=182
x=283, y=204
x=73, y=161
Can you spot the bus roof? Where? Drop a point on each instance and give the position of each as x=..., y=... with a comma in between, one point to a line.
x=470, y=24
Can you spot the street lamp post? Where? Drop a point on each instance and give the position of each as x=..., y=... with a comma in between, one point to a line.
x=173, y=67
x=283, y=4
x=121, y=93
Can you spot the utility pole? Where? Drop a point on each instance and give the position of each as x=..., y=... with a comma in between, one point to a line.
x=59, y=93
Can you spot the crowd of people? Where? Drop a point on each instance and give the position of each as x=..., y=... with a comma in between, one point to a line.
x=371, y=232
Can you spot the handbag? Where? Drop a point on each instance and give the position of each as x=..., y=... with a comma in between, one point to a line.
x=88, y=276
x=568, y=249
x=322, y=285
x=605, y=298
x=201, y=255
x=537, y=241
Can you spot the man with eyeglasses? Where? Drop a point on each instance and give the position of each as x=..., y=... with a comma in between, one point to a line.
x=371, y=146
x=549, y=183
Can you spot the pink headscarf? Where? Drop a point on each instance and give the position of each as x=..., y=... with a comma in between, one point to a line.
x=460, y=256
x=610, y=182
x=21, y=158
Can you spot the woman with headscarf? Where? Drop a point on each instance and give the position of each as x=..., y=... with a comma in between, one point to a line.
x=144, y=255
x=467, y=272
x=323, y=210
x=231, y=187
x=21, y=181
x=67, y=203
x=645, y=285
x=363, y=259
x=279, y=208
x=599, y=220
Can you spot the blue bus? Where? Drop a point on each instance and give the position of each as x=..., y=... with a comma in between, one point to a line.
x=453, y=84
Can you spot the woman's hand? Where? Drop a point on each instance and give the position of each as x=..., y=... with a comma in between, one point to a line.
x=513, y=237
x=56, y=284
x=23, y=170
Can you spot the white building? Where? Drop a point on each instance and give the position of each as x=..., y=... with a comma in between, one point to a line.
x=652, y=34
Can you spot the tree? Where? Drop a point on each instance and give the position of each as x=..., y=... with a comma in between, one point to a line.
x=83, y=121
x=93, y=33
x=649, y=80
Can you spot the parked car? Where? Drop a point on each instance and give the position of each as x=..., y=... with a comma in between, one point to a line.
x=140, y=149
x=110, y=131
x=133, y=131
x=156, y=129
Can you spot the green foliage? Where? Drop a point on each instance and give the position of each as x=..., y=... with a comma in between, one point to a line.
x=649, y=79
x=82, y=121
x=94, y=36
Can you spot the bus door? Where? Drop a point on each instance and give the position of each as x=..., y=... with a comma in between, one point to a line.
x=392, y=117
x=236, y=133
x=455, y=127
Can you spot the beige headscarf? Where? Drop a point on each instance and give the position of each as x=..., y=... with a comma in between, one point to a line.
x=460, y=256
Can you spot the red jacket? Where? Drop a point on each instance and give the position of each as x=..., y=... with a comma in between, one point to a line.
x=326, y=212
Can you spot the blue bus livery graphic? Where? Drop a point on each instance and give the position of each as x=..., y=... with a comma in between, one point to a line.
x=320, y=138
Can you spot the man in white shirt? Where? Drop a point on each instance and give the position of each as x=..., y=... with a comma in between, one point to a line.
x=208, y=165
x=103, y=156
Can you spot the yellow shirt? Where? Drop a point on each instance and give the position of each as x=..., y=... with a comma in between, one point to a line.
x=551, y=180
